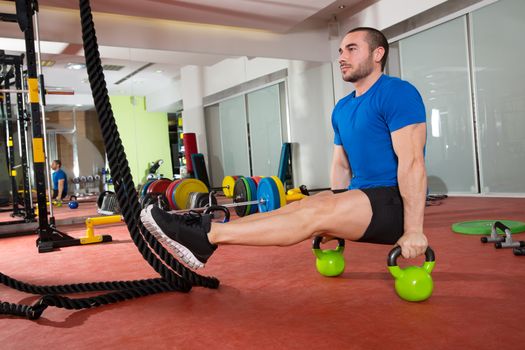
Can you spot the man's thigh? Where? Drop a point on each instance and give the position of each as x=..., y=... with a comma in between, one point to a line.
x=344, y=215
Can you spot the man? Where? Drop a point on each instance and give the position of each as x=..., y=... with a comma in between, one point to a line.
x=59, y=181
x=380, y=136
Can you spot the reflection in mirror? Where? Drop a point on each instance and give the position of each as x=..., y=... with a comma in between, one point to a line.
x=74, y=137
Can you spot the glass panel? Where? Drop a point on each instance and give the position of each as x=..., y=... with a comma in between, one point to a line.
x=234, y=137
x=497, y=31
x=264, y=115
x=435, y=61
x=213, y=140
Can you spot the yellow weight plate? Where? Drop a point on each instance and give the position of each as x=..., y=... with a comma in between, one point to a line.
x=280, y=187
x=184, y=188
x=228, y=183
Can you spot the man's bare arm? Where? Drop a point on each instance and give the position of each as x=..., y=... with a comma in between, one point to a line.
x=340, y=172
x=409, y=143
x=60, y=188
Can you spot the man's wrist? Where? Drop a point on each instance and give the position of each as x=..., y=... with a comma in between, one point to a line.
x=413, y=232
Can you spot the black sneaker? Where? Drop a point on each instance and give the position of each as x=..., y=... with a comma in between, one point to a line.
x=185, y=235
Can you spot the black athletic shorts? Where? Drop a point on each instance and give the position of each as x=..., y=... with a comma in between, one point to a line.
x=386, y=226
x=55, y=194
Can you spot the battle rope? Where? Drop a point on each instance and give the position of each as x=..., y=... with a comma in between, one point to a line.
x=174, y=275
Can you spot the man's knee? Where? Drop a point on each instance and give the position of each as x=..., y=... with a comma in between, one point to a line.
x=317, y=206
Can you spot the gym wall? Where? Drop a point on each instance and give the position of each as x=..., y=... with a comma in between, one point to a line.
x=473, y=93
x=74, y=137
x=305, y=122
x=145, y=136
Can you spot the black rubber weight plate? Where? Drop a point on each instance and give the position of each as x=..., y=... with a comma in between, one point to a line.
x=484, y=227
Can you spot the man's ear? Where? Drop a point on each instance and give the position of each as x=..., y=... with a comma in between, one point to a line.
x=379, y=52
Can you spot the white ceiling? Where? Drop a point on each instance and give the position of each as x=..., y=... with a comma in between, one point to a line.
x=133, y=33
x=271, y=15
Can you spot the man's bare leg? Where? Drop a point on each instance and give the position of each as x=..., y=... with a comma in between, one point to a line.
x=345, y=215
x=194, y=238
x=287, y=208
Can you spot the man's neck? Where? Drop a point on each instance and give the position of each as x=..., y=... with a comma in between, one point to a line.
x=364, y=84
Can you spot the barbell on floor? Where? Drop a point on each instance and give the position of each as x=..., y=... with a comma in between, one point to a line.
x=269, y=196
x=181, y=194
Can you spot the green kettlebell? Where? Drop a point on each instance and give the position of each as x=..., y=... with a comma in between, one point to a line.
x=329, y=262
x=413, y=283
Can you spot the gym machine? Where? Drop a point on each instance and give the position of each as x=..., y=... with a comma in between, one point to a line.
x=11, y=67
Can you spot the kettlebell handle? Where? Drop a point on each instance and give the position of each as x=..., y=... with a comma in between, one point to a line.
x=396, y=252
x=316, y=244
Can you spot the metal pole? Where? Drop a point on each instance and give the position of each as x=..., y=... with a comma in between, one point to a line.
x=43, y=113
x=10, y=147
x=7, y=90
x=227, y=205
x=45, y=232
x=22, y=140
x=57, y=91
x=26, y=123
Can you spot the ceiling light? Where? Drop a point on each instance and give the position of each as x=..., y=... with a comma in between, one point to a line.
x=158, y=71
x=75, y=66
x=342, y=7
x=112, y=67
x=78, y=105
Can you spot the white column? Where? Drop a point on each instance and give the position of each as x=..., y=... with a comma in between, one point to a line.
x=193, y=112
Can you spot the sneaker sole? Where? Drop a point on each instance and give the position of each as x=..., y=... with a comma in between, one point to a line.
x=173, y=246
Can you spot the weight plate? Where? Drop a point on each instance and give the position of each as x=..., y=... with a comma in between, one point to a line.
x=280, y=187
x=183, y=190
x=253, y=191
x=484, y=227
x=228, y=184
x=144, y=189
x=268, y=195
x=169, y=193
x=173, y=195
x=250, y=196
x=192, y=200
x=204, y=199
x=159, y=186
x=241, y=193
x=257, y=179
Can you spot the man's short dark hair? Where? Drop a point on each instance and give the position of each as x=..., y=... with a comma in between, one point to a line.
x=375, y=39
x=58, y=162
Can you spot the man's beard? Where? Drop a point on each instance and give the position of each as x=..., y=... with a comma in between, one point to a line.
x=362, y=71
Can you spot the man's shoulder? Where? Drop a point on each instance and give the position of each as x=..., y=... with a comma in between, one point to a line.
x=394, y=90
x=343, y=101
x=395, y=83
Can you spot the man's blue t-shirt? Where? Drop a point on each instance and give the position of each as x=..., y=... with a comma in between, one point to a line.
x=59, y=175
x=363, y=124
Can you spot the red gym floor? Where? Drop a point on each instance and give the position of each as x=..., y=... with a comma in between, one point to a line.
x=273, y=298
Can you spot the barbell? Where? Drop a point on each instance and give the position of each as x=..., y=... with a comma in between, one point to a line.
x=269, y=195
x=178, y=193
x=181, y=194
